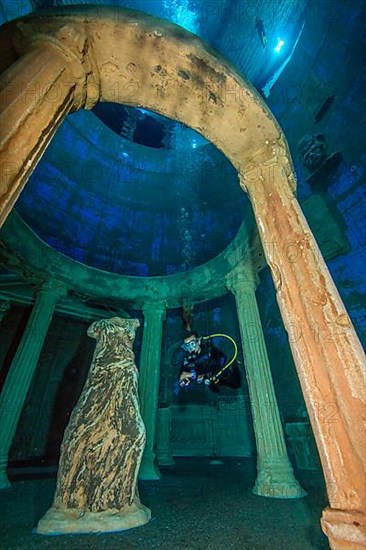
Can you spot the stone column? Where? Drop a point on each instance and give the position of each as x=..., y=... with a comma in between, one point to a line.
x=154, y=314
x=164, y=451
x=37, y=92
x=164, y=421
x=5, y=305
x=275, y=477
x=327, y=352
x=21, y=372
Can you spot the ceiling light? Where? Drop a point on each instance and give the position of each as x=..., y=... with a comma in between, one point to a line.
x=280, y=43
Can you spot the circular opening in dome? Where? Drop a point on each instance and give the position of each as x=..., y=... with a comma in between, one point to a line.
x=147, y=128
x=133, y=207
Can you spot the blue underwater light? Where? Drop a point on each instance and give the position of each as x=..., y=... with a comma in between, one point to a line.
x=280, y=44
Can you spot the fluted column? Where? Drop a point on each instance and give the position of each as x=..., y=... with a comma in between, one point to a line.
x=164, y=450
x=37, y=92
x=275, y=477
x=154, y=314
x=21, y=372
x=164, y=421
x=327, y=352
x=5, y=305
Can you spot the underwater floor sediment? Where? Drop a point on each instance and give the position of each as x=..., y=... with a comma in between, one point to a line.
x=195, y=506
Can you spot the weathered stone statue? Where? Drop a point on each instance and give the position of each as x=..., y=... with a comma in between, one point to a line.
x=103, y=443
x=313, y=151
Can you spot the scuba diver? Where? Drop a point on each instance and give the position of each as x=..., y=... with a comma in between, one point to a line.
x=259, y=25
x=203, y=362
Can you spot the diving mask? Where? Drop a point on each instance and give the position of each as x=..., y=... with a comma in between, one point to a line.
x=190, y=346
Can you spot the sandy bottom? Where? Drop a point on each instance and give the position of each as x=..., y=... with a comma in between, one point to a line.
x=195, y=506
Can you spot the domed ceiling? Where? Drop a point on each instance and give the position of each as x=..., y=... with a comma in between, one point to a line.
x=128, y=191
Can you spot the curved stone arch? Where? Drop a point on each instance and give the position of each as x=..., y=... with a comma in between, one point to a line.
x=76, y=59
x=179, y=78
x=204, y=282
x=202, y=99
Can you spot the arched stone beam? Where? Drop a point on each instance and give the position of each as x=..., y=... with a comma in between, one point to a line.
x=72, y=58
x=201, y=283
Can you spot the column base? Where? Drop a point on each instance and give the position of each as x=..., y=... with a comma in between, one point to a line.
x=277, y=480
x=148, y=469
x=72, y=520
x=345, y=529
x=165, y=459
x=215, y=461
x=4, y=482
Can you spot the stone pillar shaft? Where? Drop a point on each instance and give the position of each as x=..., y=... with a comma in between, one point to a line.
x=21, y=372
x=36, y=95
x=53, y=75
x=275, y=475
x=164, y=451
x=328, y=355
x=149, y=383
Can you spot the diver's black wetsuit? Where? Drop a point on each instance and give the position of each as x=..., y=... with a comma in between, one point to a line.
x=207, y=362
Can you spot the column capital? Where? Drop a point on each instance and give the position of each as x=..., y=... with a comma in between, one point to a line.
x=69, y=44
x=157, y=308
x=52, y=287
x=273, y=157
x=241, y=278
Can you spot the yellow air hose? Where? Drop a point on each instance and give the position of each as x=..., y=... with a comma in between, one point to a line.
x=216, y=378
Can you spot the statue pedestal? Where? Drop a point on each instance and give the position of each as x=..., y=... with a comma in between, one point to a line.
x=68, y=521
